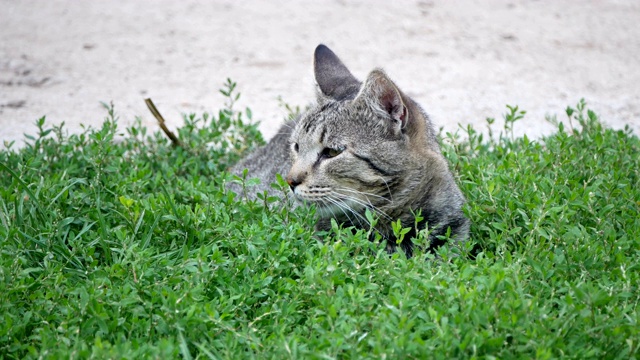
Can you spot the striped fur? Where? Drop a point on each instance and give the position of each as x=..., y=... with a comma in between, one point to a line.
x=364, y=146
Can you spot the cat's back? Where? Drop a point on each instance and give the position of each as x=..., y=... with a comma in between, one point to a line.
x=265, y=163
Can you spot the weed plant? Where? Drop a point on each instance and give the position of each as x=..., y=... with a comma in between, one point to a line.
x=132, y=248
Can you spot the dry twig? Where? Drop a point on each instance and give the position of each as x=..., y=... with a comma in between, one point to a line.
x=174, y=139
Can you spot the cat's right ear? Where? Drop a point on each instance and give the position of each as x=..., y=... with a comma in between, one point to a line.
x=333, y=79
x=381, y=95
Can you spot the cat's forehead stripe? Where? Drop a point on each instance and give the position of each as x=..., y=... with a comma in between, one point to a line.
x=326, y=111
x=311, y=124
x=322, y=134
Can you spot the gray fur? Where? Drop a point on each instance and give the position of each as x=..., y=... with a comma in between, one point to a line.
x=264, y=163
x=363, y=146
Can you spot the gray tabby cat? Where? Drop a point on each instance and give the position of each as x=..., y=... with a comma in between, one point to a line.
x=363, y=146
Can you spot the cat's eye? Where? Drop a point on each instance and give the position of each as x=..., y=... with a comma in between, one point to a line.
x=296, y=147
x=331, y=152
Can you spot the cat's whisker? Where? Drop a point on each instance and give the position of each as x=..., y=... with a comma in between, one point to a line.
x=342, y=206
x=286, y=124
x=368, y=205
x=360, y=218
x=340, y=202
x=365, y=203
x=292, y=120
x=388, y=188
x=364, y=193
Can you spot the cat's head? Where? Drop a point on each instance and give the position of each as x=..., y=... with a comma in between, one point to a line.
x=360, y=146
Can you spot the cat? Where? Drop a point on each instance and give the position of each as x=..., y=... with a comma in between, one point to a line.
x=364, y=145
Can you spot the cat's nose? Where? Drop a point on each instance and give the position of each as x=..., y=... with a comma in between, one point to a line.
x=293, y=182
x=295, y=179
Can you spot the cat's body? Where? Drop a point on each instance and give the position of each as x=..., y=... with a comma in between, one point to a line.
x=363, y=146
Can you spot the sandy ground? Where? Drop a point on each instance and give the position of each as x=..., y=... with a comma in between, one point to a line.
x=462, y=60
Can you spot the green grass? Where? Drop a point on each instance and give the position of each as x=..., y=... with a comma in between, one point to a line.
x=132, y=248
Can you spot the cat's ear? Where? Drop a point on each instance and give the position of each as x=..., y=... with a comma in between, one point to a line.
x=382, y=96
x=333, y=79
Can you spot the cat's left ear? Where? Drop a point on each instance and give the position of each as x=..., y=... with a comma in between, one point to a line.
x=333, y=79
x=382, y=96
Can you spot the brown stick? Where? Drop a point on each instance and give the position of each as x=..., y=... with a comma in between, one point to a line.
x=174, y=139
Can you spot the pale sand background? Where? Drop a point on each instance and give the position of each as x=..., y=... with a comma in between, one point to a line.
x=462, y=60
